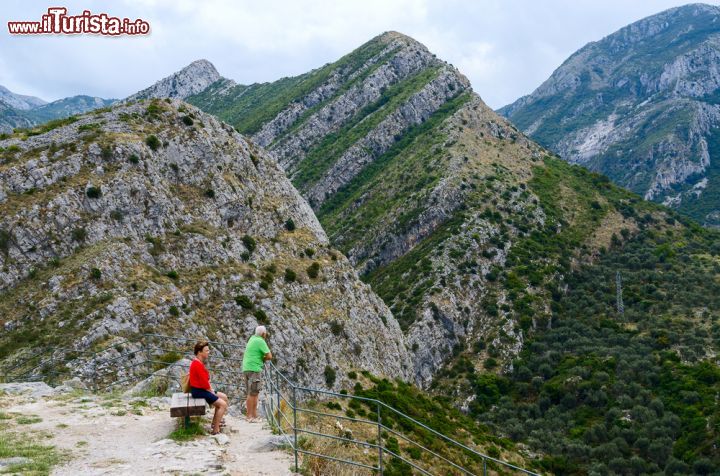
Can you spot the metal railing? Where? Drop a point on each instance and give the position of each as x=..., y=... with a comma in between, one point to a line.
x=289, y=408
x=282, y=392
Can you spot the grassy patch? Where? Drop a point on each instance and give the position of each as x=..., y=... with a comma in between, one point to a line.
x=41, y=458
x=193, y=430
x=28, y=419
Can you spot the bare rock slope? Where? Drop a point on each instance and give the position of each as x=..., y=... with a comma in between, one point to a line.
x=155, y=217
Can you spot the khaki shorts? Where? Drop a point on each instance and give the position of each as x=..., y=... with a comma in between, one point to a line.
x=253, y=383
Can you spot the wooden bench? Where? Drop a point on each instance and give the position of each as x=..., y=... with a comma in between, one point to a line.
x=184, y=405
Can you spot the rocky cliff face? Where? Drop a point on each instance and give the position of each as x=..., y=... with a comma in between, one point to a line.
x=640, y=106
x=155, y=217
x=192, y=79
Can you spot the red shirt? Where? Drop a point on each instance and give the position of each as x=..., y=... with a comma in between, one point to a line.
x=199, y=376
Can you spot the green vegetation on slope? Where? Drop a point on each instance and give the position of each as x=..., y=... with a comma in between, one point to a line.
x=410, y=159
x=592, y=390
x=248, y=108
x=334, y=144
x=433, y=412
x=356, y=80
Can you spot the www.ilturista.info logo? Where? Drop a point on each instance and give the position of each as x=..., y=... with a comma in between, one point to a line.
x=57, y=21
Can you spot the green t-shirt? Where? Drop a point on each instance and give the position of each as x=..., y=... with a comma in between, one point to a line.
x=255, y=350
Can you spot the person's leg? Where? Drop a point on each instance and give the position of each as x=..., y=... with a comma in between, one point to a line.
x=254, y=391
x=220, y=408
x=223, y=397
x=247, y=394
x=252, y=401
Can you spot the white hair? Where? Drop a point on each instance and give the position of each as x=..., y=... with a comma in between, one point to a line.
x=260, y=330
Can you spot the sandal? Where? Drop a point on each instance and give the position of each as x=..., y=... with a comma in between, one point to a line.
x=213, y=433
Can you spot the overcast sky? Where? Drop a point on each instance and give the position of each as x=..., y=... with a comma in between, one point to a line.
x=505, y=47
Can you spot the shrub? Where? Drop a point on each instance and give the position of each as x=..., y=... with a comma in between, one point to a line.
x=352, y=375
x=93, y=192
x=244, y=302
x=172, y=274
x=79, y=234
x=95, y=273
x=117, y=214
x=154, y=109
x=314, y=270
x=290, y=225
x=333, y=406
x=5, y=239
x=330, y=376
x=261, y=317
x=187, y=120
x=134, y=159
x=106, y=152
x=210, y=193
x=336, y=327
x=290, y=275
x=249, y=243
x=414, y=452
x=89, y=127
x=153, y=142
x=157, y=245
x=174, y=311
x=309, y=252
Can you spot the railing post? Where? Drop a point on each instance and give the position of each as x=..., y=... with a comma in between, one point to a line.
x=295, y=444
x=270, y=390
x=484, y=467
x=380, y=443
x=277, y=390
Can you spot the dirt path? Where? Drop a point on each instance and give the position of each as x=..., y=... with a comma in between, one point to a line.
x=129, y=436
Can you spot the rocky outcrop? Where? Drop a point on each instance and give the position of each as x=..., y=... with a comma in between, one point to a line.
x=639, y=106
x=154, y=217
x=192, y=79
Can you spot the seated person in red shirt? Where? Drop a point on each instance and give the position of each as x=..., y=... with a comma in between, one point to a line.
x=200, y=385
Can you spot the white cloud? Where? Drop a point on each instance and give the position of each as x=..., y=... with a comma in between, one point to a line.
x=506, y=48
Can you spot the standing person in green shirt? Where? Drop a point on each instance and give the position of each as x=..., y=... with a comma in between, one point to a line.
x=256, y=353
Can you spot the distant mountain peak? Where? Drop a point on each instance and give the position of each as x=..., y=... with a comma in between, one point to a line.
x=19, y=101
x=640, y=106
x=192, y=79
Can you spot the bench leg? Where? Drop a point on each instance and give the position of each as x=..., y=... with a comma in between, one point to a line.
x=187, y=421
